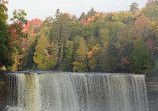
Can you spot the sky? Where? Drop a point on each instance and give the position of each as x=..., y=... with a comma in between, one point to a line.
x=44, y=8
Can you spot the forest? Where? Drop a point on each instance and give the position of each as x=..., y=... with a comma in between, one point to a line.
x=122, y=42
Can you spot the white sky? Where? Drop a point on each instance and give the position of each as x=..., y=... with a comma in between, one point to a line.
x=44, y=8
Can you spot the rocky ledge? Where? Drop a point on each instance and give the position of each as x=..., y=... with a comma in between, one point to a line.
x=152, y=89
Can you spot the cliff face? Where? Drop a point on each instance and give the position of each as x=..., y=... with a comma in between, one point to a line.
x=152, y=89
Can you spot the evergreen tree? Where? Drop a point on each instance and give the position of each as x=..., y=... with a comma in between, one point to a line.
x=83, y=16
x=80, y=65
x=134, y=7
x=91, y=13
x=68, y=57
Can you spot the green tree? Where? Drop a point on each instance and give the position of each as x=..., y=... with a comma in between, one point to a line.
x=83, y=16
x=141, y=57
x=92, y=42
x=27, y=60
x=110, y=57
x=60, y=33
x=134, y=7
x=91, y=13
x=80, y=64
x=104, y=35
x=19, y=15
x=46, y=53
x=103, y=53
x=5, y=49
x=151, y=12
x=123, y=16
x=68, y=58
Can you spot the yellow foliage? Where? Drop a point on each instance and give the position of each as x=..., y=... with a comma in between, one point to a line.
x=93, y=56
x=3, y=68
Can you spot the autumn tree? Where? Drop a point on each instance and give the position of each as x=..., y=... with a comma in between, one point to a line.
x=32, y=26
x=93, y=58
x=142, y=24
x=17, y=36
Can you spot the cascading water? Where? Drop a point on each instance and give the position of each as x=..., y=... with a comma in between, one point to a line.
x=77, y=92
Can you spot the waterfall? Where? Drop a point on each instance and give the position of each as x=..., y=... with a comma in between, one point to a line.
x=77, y=92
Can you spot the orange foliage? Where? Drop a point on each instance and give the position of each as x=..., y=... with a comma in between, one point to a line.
x=91, y=19
x=138, y=12
x=142, y=24
x=94, y=51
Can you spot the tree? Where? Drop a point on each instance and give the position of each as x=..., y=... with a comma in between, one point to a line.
x=3, y=10
x=83, y=16
x=134, y=7
x=93, y=58
x=68, y=58
x=60, y=33
x=141, y=58
x=5, y=49
x=17, y=36
x=80, y=65
x=27, y=59
x=103, y=54
x=46, y=54
x=33, y=26
x=110, y=57
x=123, y=16
x=91, y=13
x=142, y=24
x=150, y=12
x=92, y=42
x=19, y=16
x=104, y=35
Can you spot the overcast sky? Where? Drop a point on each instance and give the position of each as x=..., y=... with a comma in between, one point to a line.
x=44, y=8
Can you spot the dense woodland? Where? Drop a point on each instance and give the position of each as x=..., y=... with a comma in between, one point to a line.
x=124, y=41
